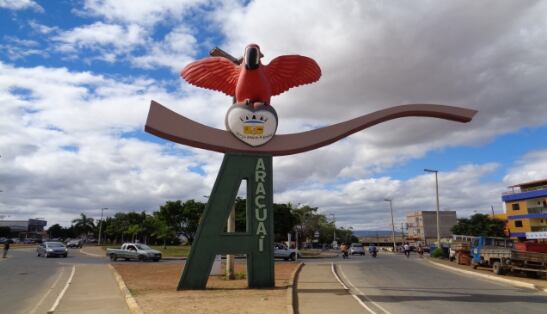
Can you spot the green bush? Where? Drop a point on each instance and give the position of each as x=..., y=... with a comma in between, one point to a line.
x=438, y=252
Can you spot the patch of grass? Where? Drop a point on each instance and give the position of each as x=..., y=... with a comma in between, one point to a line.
x=309, y=252
x=173, y=250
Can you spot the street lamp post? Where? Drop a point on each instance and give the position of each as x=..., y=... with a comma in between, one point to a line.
x=334, y=228
x=392, y=223
x=101, y=224
x=437, y=193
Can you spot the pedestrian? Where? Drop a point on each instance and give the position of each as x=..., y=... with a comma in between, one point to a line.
x=406, y=247
x=344, y=250
x=420, y=250
x=6, y=248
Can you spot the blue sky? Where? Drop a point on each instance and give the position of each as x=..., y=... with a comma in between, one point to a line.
x=77, y=77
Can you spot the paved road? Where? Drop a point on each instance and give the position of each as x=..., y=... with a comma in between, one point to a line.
x=395, y=284
x=30, y=284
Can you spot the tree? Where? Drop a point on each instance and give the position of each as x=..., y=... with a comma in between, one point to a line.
x=84, y=224
x=56, y=231
x=479, y=225
x=162, y=231
x=182, y=217
x=133, y=230
x=284, y=221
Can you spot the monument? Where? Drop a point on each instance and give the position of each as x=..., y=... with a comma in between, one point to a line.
x=249, y=144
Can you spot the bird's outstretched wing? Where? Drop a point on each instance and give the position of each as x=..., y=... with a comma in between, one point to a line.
x=286, y=72
x=214, y=73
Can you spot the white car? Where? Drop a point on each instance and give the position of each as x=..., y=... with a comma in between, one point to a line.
x=282, y=251
x=356, y=248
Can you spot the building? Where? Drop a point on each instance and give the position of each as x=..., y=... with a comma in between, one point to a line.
x=22, y=229
x=422, y=225
x=526, y=210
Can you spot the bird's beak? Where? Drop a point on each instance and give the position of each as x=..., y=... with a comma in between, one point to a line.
x=252, y=58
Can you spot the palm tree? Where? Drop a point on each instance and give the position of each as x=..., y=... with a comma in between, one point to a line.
x=84, y=224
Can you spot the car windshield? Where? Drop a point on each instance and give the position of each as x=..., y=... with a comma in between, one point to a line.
x=356, y=245
x=143, y=247
x=54, y=244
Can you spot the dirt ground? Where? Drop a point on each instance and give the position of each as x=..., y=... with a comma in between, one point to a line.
x=154, y=288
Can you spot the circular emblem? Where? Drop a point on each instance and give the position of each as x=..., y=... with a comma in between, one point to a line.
x=254, y=126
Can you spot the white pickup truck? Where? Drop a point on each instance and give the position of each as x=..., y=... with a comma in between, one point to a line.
x=281, y=251
x=141, y=252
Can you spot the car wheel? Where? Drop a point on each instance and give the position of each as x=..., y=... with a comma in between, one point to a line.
x=292, y=257
x=65, y=255
x=46, y=255
x=38, y=254
x=113, y=257
x=156, y=259
x=142, y=258
x=362, y=254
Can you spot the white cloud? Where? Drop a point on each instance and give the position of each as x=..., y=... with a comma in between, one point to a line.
x=531, y=167
x=173, y=51
x=20, y=5
x=142, y=12
x=121, y=39
x=487, y=55
x=360, y=203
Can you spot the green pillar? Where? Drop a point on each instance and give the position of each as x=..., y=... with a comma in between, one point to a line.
x=256, y=242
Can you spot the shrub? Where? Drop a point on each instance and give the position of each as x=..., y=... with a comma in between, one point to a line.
x=437, y=253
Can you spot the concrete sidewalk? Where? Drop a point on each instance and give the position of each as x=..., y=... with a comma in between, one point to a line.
x=318, y=291
x=93, y=290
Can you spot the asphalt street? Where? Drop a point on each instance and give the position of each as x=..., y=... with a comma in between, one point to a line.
x=396, y=284
x=30, y=284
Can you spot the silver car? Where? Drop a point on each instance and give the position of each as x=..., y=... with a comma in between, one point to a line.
x=356, y=248
x=48, y=249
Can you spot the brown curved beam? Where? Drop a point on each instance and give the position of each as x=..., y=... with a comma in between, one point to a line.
x=171, y=126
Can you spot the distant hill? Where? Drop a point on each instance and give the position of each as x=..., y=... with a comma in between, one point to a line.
x=373, y=233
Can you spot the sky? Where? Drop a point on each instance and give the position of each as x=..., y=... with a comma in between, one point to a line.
x=77, y=78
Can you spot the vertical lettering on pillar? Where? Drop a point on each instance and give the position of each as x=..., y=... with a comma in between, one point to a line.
x=261, y=212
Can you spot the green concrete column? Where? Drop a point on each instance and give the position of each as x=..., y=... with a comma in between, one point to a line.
x=256, y=242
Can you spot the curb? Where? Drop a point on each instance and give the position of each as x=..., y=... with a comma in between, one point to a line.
x=492, y=277
x=292, y=300
x=129, y=299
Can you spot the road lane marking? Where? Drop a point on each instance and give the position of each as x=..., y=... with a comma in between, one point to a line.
x=48, y=292
x=52, y=309
x=349, y=290
x=361, y=293
x=90, y=254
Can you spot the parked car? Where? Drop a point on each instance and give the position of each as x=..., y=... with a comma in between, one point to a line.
x=127, y=251
x=282, y=251
x=74, y=243
x=356, y=248
x=47, y=249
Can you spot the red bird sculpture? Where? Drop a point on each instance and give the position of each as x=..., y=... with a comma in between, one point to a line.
x=252, y=82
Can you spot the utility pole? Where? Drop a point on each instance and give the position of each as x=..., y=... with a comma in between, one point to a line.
x=392, y=223
x=402, y=232
x=493, y=215
x=231, y=227
x=334, y=228
x=437, y=193
x=101, y=224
